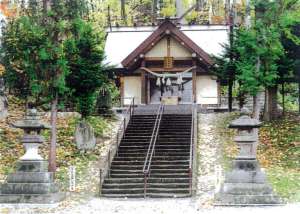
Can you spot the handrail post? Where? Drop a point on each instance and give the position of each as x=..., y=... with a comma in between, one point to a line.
x=133, y=105
x=124, y=125
x=108, y=163
x=145, y=184
x=191, y=148
x=151, y=147
x=190, y=180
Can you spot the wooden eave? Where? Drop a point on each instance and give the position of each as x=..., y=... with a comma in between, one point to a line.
x=160, y=33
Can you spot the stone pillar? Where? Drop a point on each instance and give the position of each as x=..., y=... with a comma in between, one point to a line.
x=246, y=184
x=31, y=183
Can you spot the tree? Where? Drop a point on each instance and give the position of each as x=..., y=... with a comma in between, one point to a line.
x=87, y=74
x=34, y=57
x=258, y=49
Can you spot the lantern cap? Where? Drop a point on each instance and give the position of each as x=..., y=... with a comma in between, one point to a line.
x=245, y=121
x=31, y=121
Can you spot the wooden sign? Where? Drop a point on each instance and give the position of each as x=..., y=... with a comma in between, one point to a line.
x=168, y=62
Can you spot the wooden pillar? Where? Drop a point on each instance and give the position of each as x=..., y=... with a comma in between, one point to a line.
x=219, y=92
x=143, y=85
x=194, y=82
x=122, y=90
x=148, y=90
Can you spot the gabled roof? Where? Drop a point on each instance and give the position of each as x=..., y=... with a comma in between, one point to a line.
x=121, y=41
x=167, y=28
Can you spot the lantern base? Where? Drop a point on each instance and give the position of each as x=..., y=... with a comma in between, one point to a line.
x=31, y=183
x=246, y=184
x=225, y=199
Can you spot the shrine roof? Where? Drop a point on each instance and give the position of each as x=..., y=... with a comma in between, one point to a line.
x=122, y=41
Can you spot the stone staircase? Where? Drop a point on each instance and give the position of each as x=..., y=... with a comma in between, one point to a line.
x=169, y=175
x=169, y=171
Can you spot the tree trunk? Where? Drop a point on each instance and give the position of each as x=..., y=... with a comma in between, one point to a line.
x=248, y=15
x=231, y=72
x=299, y=94
x=45, y=5
x=230, y=100
x=242, y=99
x=227, y=11
x=52, y=151
x=283, y=99
x=256, y=107
x=270, y=111
x=180, y=11
x=154, y=10
x=123, y=12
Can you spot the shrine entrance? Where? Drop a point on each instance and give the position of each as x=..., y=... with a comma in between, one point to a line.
x=171, y=90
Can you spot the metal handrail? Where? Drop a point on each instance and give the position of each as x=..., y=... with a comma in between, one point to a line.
x=152, y=135
x=121, y=129
x=129, y=112
x=151, y=146
x=191, y=147
x=104, y=171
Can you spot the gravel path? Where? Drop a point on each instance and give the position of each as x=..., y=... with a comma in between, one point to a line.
x=155, y=206
x=208, y=170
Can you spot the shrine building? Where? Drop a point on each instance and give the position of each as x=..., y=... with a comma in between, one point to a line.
x=169, y=62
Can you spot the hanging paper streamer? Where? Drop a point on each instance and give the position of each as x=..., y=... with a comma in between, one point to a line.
x=158, y=81
x=168, y=82
x=179, y=80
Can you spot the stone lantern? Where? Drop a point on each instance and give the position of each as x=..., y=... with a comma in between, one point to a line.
x=246, y=183
x=31, y=183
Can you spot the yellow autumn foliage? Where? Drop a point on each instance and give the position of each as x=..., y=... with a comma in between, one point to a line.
x=2, y=70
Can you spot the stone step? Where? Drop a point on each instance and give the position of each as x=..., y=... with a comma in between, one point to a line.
x=157, y=175
x=136, y=190
x=29, y=188
x=173, y=136
x=160, y=141
x=150, y=195
x=155, y=158
x=157, y=153
x=157, y=146
x=139, y=125
x=168, y=190
x=122, y=150
x=168, y=130
x=141, y=185
x=149, y=180
x=153, y=171
x=134, y=137
x=153, y=166
x=164, y=142
x=140, y=190
x=32, y=198
x=167, y=195
x=136, y=132
x=30, y=177
x=127, y=195
x=153, y=162
x=142, y=121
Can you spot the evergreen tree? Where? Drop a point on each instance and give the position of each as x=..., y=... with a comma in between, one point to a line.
x=85, y=56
